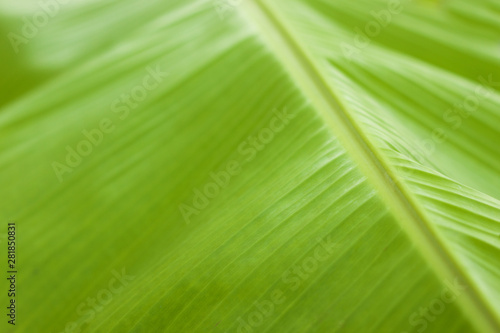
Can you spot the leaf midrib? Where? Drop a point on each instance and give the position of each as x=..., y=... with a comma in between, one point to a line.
x=397, y=197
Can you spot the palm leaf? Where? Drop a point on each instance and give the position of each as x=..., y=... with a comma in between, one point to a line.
x=233, y=167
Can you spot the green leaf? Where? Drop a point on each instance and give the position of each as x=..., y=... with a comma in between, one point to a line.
x=253, y=166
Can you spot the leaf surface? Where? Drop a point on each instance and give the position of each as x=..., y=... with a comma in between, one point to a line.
x=259, y=180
